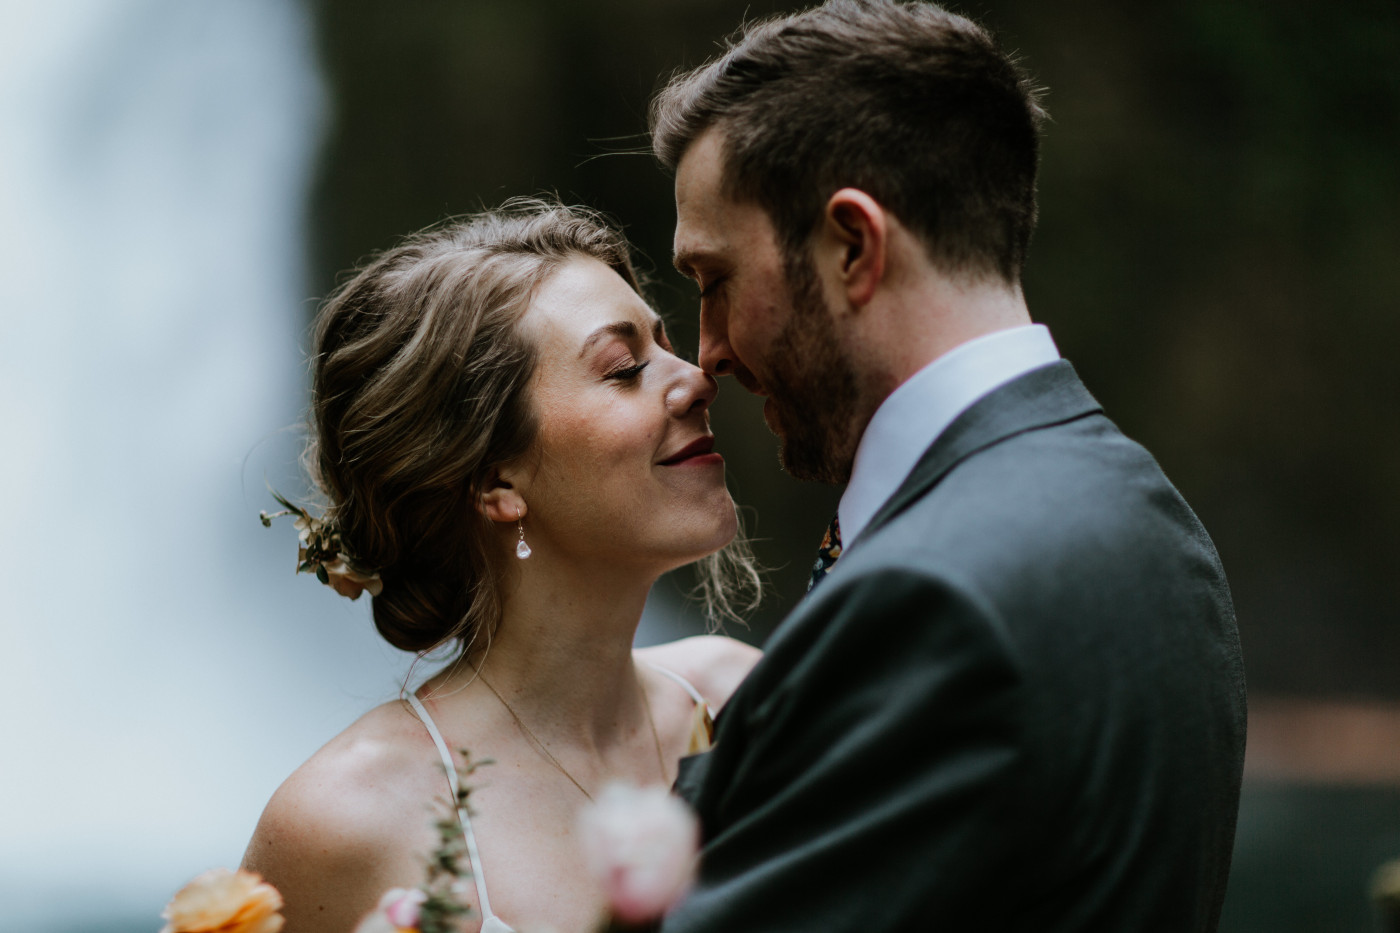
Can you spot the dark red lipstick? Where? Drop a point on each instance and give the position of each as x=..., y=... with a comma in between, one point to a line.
x=699, y=450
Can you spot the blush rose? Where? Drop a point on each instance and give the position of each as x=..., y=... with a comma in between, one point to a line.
x=641, y=844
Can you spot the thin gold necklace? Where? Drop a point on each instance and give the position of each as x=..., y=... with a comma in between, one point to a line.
x=544, y=749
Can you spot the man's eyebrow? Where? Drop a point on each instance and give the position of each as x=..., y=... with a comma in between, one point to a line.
x=624, y=329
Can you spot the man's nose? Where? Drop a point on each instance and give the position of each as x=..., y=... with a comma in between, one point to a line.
x=716, y=355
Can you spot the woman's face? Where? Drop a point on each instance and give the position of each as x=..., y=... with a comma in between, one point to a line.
x=623, y=469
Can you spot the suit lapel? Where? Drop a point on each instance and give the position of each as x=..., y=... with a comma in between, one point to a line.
x=1045, y=396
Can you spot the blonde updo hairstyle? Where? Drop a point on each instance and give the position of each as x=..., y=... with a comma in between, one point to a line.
x=420, y=390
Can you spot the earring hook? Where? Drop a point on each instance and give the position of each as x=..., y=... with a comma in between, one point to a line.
x=522, y=550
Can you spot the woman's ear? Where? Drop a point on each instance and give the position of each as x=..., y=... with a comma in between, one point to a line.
x=855, y=227
x=501, y=502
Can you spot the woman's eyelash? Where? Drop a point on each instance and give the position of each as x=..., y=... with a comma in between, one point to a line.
x=631, y=372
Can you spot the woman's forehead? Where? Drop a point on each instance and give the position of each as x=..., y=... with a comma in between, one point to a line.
x=583, y=299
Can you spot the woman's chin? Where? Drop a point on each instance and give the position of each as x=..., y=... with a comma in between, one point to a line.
x=726, y=525
x=703, y=545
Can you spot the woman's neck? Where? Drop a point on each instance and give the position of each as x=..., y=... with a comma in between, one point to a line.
x=561, y=657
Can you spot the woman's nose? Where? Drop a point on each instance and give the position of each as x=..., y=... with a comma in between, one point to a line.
x=693, y=390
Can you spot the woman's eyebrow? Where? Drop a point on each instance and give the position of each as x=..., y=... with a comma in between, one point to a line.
x=625, y=329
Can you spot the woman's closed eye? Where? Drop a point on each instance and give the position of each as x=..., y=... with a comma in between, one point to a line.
x=628, y=373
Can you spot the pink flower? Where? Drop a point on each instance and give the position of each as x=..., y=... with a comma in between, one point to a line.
x=641, y=844
x=398, y=912
x=402, y=906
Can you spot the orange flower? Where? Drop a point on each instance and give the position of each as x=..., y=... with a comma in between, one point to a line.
x=223, y=901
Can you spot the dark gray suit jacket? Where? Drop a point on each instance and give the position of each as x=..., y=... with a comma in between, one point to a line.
x=1015, y=704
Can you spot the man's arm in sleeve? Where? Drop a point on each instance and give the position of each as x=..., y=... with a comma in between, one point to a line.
x=874, y=779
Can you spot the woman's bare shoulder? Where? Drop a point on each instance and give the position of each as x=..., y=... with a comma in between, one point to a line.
x=715, y=664
x=340, y=829
x=342, y=788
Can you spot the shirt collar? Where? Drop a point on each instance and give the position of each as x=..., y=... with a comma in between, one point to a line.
x=916, y=413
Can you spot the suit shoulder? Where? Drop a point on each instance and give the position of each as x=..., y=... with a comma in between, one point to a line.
x=1070, y=497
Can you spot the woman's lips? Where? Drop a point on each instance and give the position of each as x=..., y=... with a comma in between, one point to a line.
x=699, y=460
x=698, y=451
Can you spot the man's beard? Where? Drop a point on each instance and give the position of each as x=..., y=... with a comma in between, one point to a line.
x=812, y=384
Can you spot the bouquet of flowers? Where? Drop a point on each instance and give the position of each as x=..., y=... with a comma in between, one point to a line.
x=641, y=844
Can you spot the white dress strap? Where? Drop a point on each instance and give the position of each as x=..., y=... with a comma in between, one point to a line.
x=702, y=722
x=689, y=687
x=490, y=923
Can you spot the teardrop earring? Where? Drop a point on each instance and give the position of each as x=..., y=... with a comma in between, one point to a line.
x=522, y=550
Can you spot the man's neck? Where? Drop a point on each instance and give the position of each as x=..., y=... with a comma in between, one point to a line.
x=913, y=416
x=929, y=317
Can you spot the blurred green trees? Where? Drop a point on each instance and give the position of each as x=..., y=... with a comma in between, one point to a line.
x=1218, y=250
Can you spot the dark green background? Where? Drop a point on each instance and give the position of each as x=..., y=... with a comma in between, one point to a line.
x=1217, y=254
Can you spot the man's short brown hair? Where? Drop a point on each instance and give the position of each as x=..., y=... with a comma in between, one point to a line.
x=912, y=104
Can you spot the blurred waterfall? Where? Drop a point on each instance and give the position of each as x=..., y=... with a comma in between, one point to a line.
x=160, y=670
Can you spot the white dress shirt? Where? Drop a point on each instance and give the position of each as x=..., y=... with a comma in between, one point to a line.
x=917, y=412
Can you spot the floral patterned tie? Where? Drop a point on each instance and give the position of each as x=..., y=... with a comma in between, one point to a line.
x=827, y=553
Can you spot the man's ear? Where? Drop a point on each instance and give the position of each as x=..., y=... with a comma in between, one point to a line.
x=857, y=229
x=501, y=501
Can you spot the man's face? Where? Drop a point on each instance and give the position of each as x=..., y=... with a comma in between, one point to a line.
x=763, y=320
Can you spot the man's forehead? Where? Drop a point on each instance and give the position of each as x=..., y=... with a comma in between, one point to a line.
x=699, y=199
x=700, y=171
x=692, y=248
